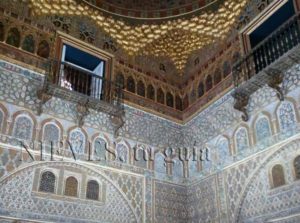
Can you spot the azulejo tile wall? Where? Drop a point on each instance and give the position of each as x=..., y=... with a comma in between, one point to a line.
x=221, y=192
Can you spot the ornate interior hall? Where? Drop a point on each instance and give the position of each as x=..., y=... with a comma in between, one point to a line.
x=148, y=111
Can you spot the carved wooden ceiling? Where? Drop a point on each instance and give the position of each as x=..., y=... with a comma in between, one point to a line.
x=174, y=36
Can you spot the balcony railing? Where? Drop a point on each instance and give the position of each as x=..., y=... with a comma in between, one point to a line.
x=72, y=83
x=82, y=81
x=266, y=63
x=285, y=38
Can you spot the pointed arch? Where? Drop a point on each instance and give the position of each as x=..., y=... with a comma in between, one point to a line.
x=160, y=96
x=141, y=157
x=178, y=103
x=208, y=83
x=43, y=49
x=150, y=92
x=224, y=152
x=217, y=76
x=130, y=85
x=13, y=37
x=3, y=118
x=286, y=115
x=193, y=96
x=51, y=132
x=77, y=140
x=226, y=69
x=122, y=153
x=141, y=88
x=185, y=102
x=178, y=170
x=241, y=139
x=120, y=80
x=100, y=146
x=262, y=128
x=28, y=43
x=160, y=163
x=200, y=89
x=170, y=100
x=23, y=127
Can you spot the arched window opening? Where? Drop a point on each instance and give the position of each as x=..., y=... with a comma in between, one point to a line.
x=141, y=89
x=242, y=140
x=208, y=161
x=297, y=167
x=193, y=167
x=51, y=136
x=23, y=128
x=226, y=69
x=100, y=147
x=1, y=120
x=141, y=157
x=262, y=129
x=286, y=115
x=13, y=37
x=160, y=96
x=217, y=76
x=185, y=102
x=278, y=176
x=47, y=182
x=120, y=80
x=177, y=168
x=2, y=32
x=77, y=141
x=223, y=151
x=43, y=49
x=193, y=96
x=130, y=84
x=92, y=190
x=71, y=187
x=178, y=101
x=170, y=99
x=122, y=153
x=159, y=163
x=28, y=44
x=150, y=92
x=208, y=83
x=200, y=89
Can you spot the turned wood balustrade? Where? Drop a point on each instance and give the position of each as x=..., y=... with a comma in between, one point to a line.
x=266, y=63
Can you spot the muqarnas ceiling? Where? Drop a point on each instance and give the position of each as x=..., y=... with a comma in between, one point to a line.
x=175, y=38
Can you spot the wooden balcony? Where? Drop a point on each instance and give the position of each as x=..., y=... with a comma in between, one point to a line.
x=84, y=88
x=266, y=63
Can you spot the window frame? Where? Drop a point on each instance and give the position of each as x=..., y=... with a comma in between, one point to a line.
x=108, y=58
x=55, y=173
x=259, y=20
x=100, y=192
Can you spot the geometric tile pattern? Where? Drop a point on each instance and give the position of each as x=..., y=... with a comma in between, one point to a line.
x=170, y=203
x=202, y=203
x=18, y=200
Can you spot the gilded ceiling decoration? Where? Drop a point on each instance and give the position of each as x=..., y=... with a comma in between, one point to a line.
x=174, y=38
x=150, y=9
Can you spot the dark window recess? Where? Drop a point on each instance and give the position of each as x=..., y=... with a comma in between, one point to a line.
x=285, y=12
x=92, y=191
x=47, y=182
x=82, y=72
x=178, y=101
x=297, y=167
